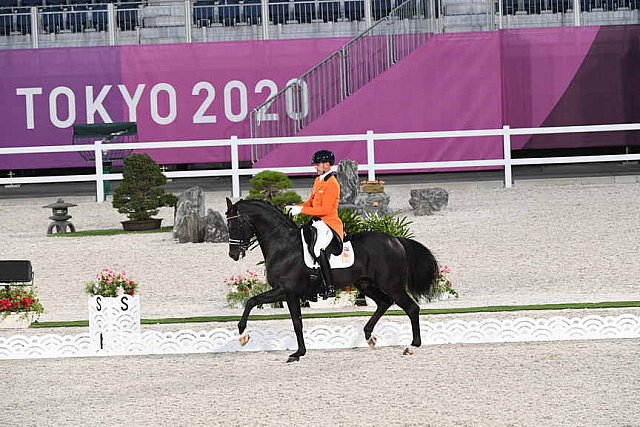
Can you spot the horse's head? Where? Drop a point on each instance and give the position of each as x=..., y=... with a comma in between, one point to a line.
x=240, y=231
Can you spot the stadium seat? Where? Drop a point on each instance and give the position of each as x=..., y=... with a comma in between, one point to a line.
x=203, y=15
x=252, y=12
x=77, y=18
x=380, y=8
x=127, y=16
x=6, y=22
x=52, y=19
x=304, y=11
x=354, y=10
x=278, y=11
x=99, y=17
x=23, y=20
x=330, y=10
x=229, y=12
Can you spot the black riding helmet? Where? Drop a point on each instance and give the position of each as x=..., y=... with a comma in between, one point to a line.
x=323, y=156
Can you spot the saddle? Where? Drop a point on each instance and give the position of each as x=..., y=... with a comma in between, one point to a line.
x=340, y=252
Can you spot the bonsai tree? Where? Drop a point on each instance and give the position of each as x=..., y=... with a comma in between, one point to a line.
x=273, y=187
x=139, y=195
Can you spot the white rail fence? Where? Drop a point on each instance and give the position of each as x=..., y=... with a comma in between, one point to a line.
x=506, y=162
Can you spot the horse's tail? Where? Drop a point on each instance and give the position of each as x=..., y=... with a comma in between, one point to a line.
x=423, y=268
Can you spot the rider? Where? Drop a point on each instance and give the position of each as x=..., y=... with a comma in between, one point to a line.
x=323, y=206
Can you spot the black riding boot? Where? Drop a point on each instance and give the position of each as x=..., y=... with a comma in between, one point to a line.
x=325, y=270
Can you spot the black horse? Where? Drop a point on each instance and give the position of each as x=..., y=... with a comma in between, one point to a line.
x=387, y=269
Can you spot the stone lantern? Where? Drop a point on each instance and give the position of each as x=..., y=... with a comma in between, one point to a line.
x=60, y=217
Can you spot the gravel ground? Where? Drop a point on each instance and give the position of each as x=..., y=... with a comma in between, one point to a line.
x=571, y=383
x=529, y=244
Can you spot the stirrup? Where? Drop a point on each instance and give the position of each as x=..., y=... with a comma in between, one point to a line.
x=329, y=293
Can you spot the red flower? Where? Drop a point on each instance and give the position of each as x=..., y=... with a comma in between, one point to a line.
x=5, y=303
x=27, y=302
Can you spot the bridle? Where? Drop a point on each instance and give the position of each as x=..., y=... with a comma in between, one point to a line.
x=244, y=243
x=247, y=241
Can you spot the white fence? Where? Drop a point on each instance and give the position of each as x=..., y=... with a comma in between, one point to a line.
x=506, y=162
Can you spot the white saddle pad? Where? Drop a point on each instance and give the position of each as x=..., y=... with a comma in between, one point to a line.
x=344, y=260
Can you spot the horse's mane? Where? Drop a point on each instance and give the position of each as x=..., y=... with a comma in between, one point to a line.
x=269, y=207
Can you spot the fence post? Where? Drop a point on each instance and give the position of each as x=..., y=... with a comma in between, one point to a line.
x=371, y=158
x=188, y=13
x=264, y=8
x=577, y=12
x=111, y=23
x=506, y=148
x=99, y=172
x=368, y=14
x=235, y=166
x=35, y=26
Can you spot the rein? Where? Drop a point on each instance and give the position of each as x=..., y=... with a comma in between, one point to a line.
x=251, y=244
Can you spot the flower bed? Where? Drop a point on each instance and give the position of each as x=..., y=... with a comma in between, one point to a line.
x=109, y=283
x=19, y=302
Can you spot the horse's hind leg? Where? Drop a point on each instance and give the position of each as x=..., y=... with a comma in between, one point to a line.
x=406, y=303
x=383, y=302
x=296, y=317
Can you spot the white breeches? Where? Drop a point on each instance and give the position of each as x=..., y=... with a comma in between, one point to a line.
x=325, y=235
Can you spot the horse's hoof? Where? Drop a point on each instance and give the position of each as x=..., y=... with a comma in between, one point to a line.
x=409, y=351
x=372, y=342
x=293, y=359
x=244, y=340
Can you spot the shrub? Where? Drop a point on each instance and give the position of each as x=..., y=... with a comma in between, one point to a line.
x=273, y=187
x=388, y=224
x=354, y=223
x=139, y=195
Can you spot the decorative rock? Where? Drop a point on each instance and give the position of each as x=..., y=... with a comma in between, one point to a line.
x=215, y=228
x=348, y=180
x=187, y=225
x=428, y=200
x=373, y=202
x=195, y=195
x=191, y=225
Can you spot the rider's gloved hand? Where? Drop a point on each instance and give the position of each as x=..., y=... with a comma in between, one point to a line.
x=293, y=209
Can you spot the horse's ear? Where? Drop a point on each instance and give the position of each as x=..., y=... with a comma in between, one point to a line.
x=229, y=204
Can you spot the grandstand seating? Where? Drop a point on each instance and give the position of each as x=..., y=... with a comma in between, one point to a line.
x=305, y=11
x=127, y=16
x=229, y=12
x=252, y=12
x=354, y=10
x=287, y=18
x=278, y=11
x=330, y=11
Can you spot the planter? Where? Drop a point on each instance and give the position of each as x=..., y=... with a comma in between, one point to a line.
x=142, y=225
x=16, y=321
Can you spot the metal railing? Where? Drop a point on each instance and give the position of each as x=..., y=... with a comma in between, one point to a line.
x=177, y=21
x=370, y=138
x=306, y=98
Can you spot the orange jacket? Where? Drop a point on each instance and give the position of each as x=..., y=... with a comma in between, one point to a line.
x=323, y=203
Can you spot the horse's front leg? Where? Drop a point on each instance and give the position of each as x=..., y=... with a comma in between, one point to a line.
x=296, y=317
x=274, y=295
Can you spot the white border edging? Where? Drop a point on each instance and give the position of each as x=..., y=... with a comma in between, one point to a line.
x=325, y=337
